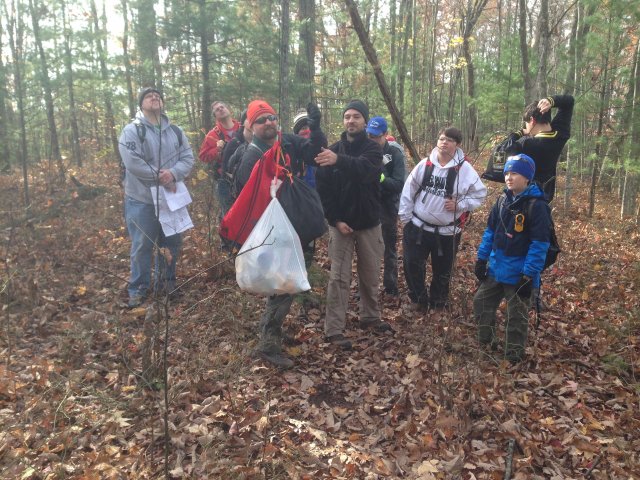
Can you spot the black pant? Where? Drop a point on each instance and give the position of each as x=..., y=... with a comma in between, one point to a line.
x=389, y=221
x=418, y=245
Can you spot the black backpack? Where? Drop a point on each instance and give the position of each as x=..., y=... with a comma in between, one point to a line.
x=554, y=245
x=498, y=157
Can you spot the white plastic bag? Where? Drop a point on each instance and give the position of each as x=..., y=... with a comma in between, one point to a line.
x=270, y=261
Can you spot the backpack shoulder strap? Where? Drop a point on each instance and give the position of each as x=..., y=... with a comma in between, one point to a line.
x=426, y=177
x=501, y=200
x=452, y=174
x=178, y=133
x=140, y=129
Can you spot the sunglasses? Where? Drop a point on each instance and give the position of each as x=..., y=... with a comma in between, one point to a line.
x=262, y=120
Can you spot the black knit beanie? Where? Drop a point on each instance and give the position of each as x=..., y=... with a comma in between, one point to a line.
x=145, y=91
x=360, y=106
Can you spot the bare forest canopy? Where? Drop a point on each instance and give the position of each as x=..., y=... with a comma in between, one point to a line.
x=69, y=72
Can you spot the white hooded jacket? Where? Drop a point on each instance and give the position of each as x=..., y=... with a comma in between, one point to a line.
x=427, y=206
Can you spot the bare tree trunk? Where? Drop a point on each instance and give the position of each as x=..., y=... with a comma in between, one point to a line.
x=305, y=66
x=544, y=36
x=402, y=70
x=595, y=168
x=470, y=17
x=106, y=90
x=16, y=42
x=5, y=154
x=431, y=78
x=127, y=59
x=414, y=66
x=382, y=84
x=285, y=35
x=149, y=71
x=36, y=13
x=524, y=52
x=394, y=37
x=631, y=181
x=204, y=60
x=68, y=65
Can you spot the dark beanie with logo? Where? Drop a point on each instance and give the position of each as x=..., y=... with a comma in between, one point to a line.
x=360, y=106
x=146, y=91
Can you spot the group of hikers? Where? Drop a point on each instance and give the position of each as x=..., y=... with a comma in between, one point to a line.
x=363, y=187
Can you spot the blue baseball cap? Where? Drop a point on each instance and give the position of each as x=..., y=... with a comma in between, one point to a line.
x=522, y=164
x=377, y=126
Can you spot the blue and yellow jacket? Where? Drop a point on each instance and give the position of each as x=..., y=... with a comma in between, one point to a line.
x=512, y=253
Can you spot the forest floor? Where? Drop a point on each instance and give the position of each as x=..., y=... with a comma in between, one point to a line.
x=422, y=403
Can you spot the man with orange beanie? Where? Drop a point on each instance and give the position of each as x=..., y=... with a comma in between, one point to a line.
x=264, y=123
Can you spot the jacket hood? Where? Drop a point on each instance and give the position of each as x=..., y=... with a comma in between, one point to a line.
x=458, y=158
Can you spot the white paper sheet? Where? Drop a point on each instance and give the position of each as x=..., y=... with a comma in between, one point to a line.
x=172, y=210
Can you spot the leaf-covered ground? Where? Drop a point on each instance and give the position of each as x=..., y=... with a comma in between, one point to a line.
x=423, y=403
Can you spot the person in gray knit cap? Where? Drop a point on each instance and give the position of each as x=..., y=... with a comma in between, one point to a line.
x=156, y=154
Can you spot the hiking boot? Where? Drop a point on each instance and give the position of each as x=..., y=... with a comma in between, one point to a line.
x=275, y=359
x=376, y=325
x=290, y=340
x=514, y=356
x=339, y=340
x=135, y=302
x=419, y=307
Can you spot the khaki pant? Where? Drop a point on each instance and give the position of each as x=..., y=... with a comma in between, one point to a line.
x=369, y=248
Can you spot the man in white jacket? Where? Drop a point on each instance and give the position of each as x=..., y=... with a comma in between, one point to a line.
x=435, y=201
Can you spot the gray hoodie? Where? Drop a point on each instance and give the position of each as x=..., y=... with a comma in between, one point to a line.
x=143, y=160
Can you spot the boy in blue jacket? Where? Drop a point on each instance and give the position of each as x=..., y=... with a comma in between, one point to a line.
x=511, y=256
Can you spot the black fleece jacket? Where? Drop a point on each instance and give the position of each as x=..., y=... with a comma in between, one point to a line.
x=350, y=189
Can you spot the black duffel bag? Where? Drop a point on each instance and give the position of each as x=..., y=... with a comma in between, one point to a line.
x=302, y=205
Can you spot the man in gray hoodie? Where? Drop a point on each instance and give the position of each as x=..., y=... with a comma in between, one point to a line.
x=155, y=154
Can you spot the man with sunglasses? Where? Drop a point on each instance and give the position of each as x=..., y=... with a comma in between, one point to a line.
x=391, y=183
x=263, y=121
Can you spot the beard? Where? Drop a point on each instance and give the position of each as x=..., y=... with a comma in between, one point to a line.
x=269, y=133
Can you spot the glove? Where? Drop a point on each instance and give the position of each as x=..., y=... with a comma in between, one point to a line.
x=480, y=270
x=313, y=117
x=381, y=177
x=523, y=289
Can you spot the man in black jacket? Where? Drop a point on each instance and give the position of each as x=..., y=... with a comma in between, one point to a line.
x=543, y=138
x=263, y=121
x=348, y=181
x=391, y=183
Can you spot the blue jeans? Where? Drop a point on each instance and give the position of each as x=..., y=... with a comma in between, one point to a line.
x=146, y=233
